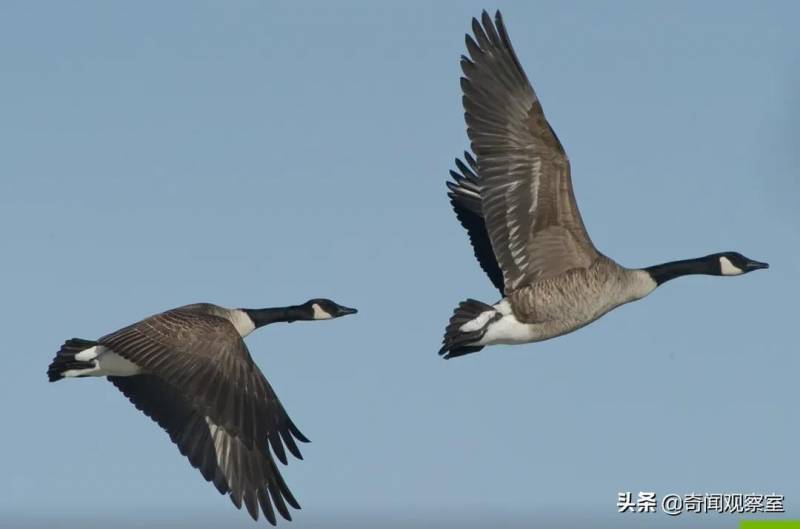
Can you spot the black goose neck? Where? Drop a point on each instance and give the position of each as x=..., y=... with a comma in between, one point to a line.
x=288, y=314
x=662, y=273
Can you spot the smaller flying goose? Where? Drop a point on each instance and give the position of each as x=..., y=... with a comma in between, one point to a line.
x=189, y=370
x=515, y=200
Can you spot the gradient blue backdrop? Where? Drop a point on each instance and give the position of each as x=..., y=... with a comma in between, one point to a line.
x=262, y=153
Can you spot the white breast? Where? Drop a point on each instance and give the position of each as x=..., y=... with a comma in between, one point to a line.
x=243, y=323
x=642, y=284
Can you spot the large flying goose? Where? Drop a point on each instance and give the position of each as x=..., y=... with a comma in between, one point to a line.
x=516, y=202
x=189, y=370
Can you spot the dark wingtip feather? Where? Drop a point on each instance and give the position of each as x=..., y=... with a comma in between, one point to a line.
x=251, y=502
x=297, y=433
x=476, y=25
x=473, y=48
x=293, y=502
x=465, y=171
x=486, y=19
x=266, y=506
x=470, y=160
x=278, y=501
x=287, y=494
x=277, y=447
x=236, y=498
x=290, y=444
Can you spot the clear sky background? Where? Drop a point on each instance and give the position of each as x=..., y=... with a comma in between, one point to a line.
x=257, y=153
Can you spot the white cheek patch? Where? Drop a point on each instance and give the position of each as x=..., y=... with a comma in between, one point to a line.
x=727, y=267
x=320, y=314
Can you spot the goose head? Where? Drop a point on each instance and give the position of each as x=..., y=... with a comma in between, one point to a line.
x=734, y=264
x=325, y=309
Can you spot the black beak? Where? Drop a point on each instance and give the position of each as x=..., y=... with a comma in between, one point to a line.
x=756, y=265
x=344, y=311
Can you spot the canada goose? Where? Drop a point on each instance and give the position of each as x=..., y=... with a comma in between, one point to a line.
x=189, y=370
x=516, y=202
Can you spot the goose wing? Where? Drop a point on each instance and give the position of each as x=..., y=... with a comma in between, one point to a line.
x=532, y=219
x=201, y=367
x=465, y=197
x=248, y=474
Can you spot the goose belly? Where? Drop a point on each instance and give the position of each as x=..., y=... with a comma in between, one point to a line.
x=510, y=331
x=549, y=312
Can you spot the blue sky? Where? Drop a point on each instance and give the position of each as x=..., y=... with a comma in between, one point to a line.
x=258, y=154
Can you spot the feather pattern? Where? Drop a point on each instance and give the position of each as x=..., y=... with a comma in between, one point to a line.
x=465, y=197
x=247, y=474
x=531, y=216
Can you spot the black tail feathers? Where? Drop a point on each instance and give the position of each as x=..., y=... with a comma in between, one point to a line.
x=456, y=342
x=65, y=358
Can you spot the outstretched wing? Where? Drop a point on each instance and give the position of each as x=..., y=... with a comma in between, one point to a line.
x=247, y=474
x=465, y=197
x=202, y=358
x=526, y=193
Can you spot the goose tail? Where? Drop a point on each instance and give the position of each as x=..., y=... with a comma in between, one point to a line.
x=67, y=359
x=467, y=326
